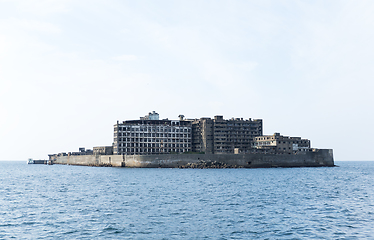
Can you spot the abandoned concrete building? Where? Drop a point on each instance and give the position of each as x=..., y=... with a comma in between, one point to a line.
x=149, y=135
x=103, y=150
x=220, y=135
x=281, y=144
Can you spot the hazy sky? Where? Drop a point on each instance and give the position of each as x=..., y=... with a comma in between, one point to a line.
x=70, y=69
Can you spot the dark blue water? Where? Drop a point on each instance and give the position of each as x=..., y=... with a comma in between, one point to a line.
x=71, y=202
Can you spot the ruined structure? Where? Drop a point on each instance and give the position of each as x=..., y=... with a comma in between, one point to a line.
x=198, y=143
x=149, y=135
x=220, y=136
x=281, y=144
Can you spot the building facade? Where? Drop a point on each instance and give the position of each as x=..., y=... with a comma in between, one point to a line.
x=220, y=135
x=103, y=150
x=281, y=144
x=149, y=135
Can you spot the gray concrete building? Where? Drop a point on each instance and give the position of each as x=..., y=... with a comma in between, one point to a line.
x=149, y=135
x=219, y=136
x=103, y=150
x=281, y=144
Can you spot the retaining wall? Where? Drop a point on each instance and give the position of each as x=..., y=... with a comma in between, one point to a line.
x=317, y=158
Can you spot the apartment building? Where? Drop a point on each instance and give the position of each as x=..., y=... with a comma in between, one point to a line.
x=281, y=144
x=220, y=135
x=149, y=135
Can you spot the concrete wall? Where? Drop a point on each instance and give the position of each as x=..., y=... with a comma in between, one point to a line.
x=323, y=157
x=317, y=158
x=92, y=160
x=112, y=160
x=85, y=160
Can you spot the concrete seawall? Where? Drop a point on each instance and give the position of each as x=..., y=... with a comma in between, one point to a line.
x=92, y=160
x=317, y=158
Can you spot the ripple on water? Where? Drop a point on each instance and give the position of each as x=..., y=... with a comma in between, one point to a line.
x=96, y=203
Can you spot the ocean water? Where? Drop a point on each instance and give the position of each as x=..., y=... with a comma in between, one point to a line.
x=75, y=202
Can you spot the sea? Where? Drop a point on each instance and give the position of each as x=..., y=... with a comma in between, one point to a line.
x=78, y=202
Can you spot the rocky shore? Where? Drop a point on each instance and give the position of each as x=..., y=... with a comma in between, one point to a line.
x=209, y=164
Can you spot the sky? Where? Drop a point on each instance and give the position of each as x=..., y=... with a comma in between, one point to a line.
x=70, y=69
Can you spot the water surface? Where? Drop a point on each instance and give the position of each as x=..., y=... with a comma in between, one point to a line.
x=74, y=202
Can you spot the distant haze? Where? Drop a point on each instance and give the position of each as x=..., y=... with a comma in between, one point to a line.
x=70, y=69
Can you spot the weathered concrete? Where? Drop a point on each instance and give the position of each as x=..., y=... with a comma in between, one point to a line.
x=317, y=158
x=85, y=160
x=91, y=160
